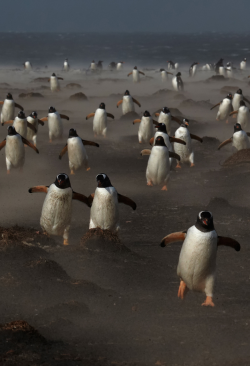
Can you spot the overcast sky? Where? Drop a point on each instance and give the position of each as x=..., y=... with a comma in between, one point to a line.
x=125, y=15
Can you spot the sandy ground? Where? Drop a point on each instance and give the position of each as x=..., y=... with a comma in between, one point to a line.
x=103, y=303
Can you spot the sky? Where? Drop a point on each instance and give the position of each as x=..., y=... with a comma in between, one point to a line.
x=125, y=16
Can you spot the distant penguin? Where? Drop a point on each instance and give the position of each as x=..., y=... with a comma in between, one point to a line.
x=57, y=207
x=185, y=151
x=99, y=66
x=219, y=67
x=8, y=109
x=164, y=74
x=119, y=65
x=66, y=65
x=225, y=108
x=158, y=168
x=243, y=115
x=112, y=65
x=229, y=70
x=33, y=120
x=177, y=82
x=127, y=103
x=193, y=69
x=14, y=149
x=22, y=125
x=172, y=65
x=240, y=139
x=165, y=117
x=104, y=213
x=243, y=64
x=100, y=120
x=146, y=127
x=27, y=65
x=93, y=66
x=136, y=74
x=55, y=123
x=238, y=96
x=197, y=262
x=75, y=146
x=54, y=83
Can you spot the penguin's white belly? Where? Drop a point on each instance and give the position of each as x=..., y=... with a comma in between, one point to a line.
x=14, y=151
x=54, y=84
x=243, y=65
x=66, y=66
x=104, y=212
x=28, y=65
x=77, y=153
x=119, y=66
x=184, y=151
x=221, y=70
x=229, y=72
x=167, y=142
x=146, y=129
x=127, y=104
x=241, y=140
x=158, y=165
x=136, y=76
x=56, y=211
x=30, y=132
x=224, y=110
x=100, y=122
x=8, y=110
x=194, y=69
x=20, y=126
x=55, y=125
x=166, y=119
x=164, y=75
x=236, y=101
x=93, y=66
x=197, y=261
x=243, y=117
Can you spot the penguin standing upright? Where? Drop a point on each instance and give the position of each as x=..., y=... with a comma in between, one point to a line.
x=177, y=82
x=219, y=67
x=164, y=74
x=136, y=74
x=54, y=83
x=57, y=207
x=76, y=151
x=185, y=151
x=172, y=65
x=243, y=115
x=238, y=96
x=8, y=109
x=100, y=120
x=104, y=213
x=225, y=108
x=229, y=70
x=166, y=117
x=54, y=123
x=146, y=128
x=193, y=69
x=127, y=103
x=66, y=65
x=21, y=124
x=27, y=65
x=112, y=66
x=158, y=168
x=197, y=261
x=119, y=65
x=243, y=64
x=33, y=120
x=14, y=149
x=93, y=66
x=239, y=140
x=99, y=66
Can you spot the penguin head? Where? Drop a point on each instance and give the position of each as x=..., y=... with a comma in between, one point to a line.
x=66, y=60
x=9, y=96
x=178, y=74
x=161, y=127
x=162, y=70
x=93, y=61
x=165, y=110
x=62, y=181
x=53, y=74
x=103, y=181
x=127, y=92
x=11, y=131
x=52, y=109
x=159, y=141
x=21, y=115
x=102, y=106
x=135, y=68
x=242, y=103
x=229, y=96
x=239, y=91
x=205, y=221
x=33, y=114
x=185, y=123
x=72, y=133
x=237, y=127
x=99, y=62
x=146, y=114
x=244, y=59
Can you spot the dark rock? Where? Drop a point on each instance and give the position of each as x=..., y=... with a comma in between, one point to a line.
x=78, y=96
x=73, y=86
x=228, y=89
x=190, y=103
x=30, y=95
x=164, y=92
x=216, y=78
x=242, y=156
x=41, y=79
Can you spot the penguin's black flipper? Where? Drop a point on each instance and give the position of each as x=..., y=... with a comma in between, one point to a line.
x=179, y=141
x=130, y=73
x=91, y=199
x=3, y=143
x=151, y=141
x=80, y=197
x=38, y=189
x=126, y=201
x=32, y=127
x=215, y=105
x=44, y=119
x=140, y=72
x=194, y=137
x=174, y=155
x=19, y=106
x=63, y=151
x=64, y=117
x=138, y=121
x=8, y=122
x=120, y=102
x=26, y=142
x=85, y=142
x=228, y=242
x=172, y=238
x=40, y=122
x=110, y=115
x=176, y=119
x=1, y=102
x=60, y=78
x=135, y=101
x=225, y=143
x=246, y=100
x=90, y=115
x=145, y=152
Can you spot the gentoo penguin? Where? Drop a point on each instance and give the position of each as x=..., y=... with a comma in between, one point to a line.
x=219, y=67
x=93, y=66
x=158, y=168
x=8, y=109
x=33, y=120
x=146, y=128
x=243, y=115
x=119, y=65
x=197, y=261
x=225, y=108
x=177, y=82
x=54, y=123
x=104, y=213
x=136, y=74
x=14, y=149
x=127, y=103
x=21, y=124
x=100, y=120
x=164, y=74
x=76, y=151
x=238, y=96
x=57, y=207
x=172, y=65
x=193, y=69
x=54, y=83
x=27, y=65
x=66, y=65
x=239, y=140
x=112, y=65
x=229, y=70
x=185, y=151
x=166, y=118
x=243, y=64
x=99, y=65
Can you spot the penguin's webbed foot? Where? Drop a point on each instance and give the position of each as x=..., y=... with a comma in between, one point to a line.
x=208, y=301
x=192, y=165
x=183, y=289
x=178, y=165
x=87, y=169
x=164, y=188
x=8, y=171
x=150, y=184
x=227, y=121
x=72, y=172
x=65, y=242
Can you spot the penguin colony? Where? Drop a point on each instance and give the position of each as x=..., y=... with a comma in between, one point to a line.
x=197, y=261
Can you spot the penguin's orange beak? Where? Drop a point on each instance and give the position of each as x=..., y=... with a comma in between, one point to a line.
x=205, y=221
